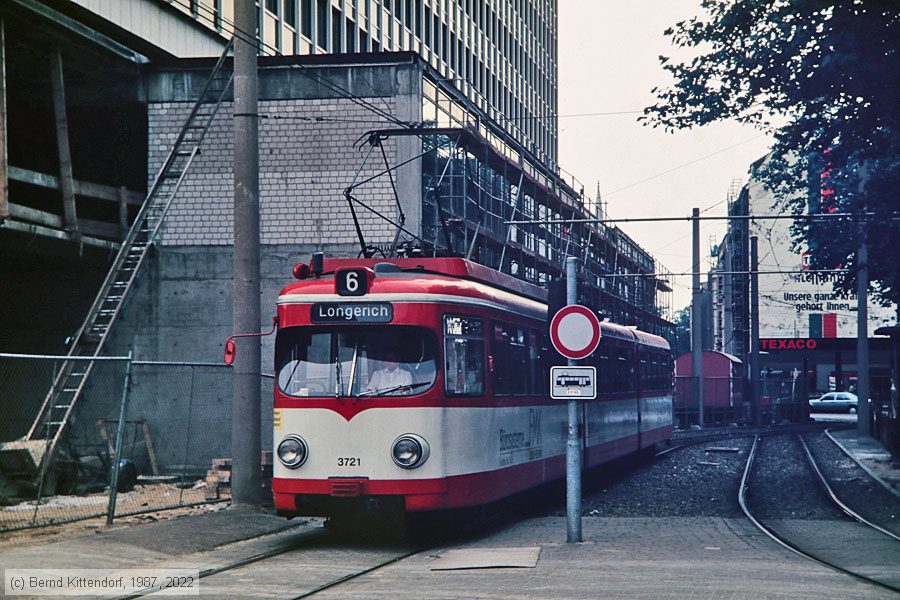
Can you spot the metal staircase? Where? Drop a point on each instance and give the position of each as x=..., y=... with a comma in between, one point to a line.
x=69, y=383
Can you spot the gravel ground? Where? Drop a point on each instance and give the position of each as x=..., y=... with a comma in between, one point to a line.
x=791, y=489
x=54, y=509
x=853, y=485
x=690, y=482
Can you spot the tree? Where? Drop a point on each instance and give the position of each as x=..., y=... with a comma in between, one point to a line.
x=823, y=78
x=680, y=341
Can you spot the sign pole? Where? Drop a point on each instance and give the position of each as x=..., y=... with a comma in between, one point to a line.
x=573, y=442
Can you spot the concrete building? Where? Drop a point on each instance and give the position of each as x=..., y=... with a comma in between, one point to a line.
x=502, y=56
x=131, y=72
x=729, y=283
x=805, y=327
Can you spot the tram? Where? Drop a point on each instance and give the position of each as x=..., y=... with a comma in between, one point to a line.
x=422, y=384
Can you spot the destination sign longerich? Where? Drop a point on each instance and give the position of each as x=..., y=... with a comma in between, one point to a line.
x=351, y=312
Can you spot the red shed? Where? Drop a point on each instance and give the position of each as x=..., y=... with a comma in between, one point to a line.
x=722, y=386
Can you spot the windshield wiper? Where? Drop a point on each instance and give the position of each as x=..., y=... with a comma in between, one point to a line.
x=353, y=369
x=396, y=388
x=338, y=385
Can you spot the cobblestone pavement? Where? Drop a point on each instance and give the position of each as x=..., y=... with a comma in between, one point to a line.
x=654, y=556
x=623, y=558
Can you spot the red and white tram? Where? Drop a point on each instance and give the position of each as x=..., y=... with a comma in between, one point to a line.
x=422, y=384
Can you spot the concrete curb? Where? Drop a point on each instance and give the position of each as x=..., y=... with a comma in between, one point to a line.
x=862, y=466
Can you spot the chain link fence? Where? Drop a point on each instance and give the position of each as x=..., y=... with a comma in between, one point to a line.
x=171, y=451
x=726, y=400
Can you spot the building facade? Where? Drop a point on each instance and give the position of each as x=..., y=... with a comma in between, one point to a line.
x=730, y=283
x=807, y=330
x=459, y=179
x=127, y=74
x=502, y=55
x=483, y=69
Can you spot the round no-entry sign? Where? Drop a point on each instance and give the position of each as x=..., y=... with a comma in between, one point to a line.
x=575, y=331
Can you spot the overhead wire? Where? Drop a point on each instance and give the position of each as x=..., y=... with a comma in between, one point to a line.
x=252, y=39
x=343, y=92
x=681, y=166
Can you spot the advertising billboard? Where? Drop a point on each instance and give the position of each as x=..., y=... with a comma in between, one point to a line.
x=800, y=302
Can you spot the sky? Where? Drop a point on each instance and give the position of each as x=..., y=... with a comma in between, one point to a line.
x=608, y=62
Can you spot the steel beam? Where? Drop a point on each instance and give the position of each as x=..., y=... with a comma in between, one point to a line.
x=83, y=31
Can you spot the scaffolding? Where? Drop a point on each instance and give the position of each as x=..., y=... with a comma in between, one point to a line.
x=470, y=192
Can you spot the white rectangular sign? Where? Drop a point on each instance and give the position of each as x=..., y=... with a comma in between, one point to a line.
x=794, y=302
x=567, y=383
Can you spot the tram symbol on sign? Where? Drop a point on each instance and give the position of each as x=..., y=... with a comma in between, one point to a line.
x=573, y=382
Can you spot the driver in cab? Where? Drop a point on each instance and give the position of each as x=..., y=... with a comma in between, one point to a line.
x=390, y=377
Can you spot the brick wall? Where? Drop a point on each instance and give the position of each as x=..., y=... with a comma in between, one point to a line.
x=307, y=157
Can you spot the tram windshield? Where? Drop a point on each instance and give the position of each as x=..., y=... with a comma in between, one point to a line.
x=366, y=361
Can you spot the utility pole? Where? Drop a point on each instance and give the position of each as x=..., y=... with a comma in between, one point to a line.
x=4, y=155
x=754, y=332
x=863, y=418
x=245, y=410
x=696, y=319
x=804, y=392
x=573, y=441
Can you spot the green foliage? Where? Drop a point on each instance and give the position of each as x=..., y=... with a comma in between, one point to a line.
x=824, y=79
x=681, y=339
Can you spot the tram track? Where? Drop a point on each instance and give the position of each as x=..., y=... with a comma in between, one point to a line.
x=828, y=545
x=834, y=497
x=360, y=573
x=688, y=441
x=320, y=546
x=308, y=560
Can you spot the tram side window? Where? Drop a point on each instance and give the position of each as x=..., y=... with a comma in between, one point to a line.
x=605, y=372
x=511, y=362
x=541, y=360
x=665, y=372
x=463, y=356
x=624, y=371
x=657, y=382
x=648, y=371
x=644, y=371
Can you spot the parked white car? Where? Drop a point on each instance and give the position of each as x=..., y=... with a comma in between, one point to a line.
x=834, y=402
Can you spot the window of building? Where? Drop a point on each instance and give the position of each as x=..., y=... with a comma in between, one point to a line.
x=418, y=18
x=322, y=23
x=306, y=19
x=336, y=28
x=350, y=35
x=290, y=13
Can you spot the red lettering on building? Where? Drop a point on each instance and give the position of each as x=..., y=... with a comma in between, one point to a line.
x=788, y=344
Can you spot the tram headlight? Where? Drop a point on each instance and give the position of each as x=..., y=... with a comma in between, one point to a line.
x=292, y=451
x=410, y=451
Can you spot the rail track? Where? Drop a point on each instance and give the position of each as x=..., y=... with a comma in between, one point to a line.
x=320, y=546
x=726, y=433
x=857, y=547
x=297, y=561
